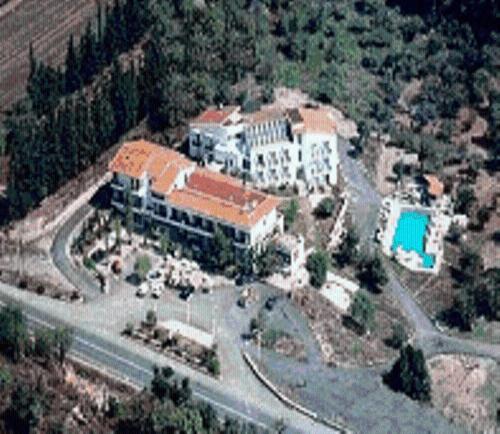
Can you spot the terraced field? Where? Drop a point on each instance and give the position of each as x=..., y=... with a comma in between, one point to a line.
x=46, y=23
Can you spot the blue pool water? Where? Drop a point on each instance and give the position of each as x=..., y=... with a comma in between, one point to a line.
x=410, y=235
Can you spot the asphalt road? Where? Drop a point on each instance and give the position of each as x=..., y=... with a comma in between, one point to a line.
x=366, y=202
x=137, y=370
x=113, y=356
x=80, y=279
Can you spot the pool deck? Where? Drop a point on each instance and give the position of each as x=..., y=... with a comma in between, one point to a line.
x=437, y=227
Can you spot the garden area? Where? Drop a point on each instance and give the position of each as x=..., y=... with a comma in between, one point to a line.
x=188, y=344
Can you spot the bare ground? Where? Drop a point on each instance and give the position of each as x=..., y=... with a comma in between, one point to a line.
x=465, y=390
x=341, y=346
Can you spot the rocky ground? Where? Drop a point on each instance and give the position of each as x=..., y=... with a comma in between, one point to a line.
x=465, y=390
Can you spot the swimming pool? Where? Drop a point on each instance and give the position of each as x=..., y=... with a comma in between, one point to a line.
x=410, y=235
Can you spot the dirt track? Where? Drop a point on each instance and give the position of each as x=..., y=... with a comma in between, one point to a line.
x=46, y=23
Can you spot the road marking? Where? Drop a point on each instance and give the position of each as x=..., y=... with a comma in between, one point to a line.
x=143, y=370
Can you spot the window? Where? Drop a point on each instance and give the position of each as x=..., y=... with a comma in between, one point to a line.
x=135, y=184
x=260, y=158
x=300, y=156
x=246, y=164
x=161, y=210
x=299, y=137
x=137, y=202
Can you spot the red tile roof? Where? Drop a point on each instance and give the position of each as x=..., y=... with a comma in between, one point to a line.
x=208, y=193
x=215, y=115
x=224, y=198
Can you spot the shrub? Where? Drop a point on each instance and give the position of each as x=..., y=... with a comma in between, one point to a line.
x=325, y=208
x=151, y=318
x=398, y=338
x=290, y=213
x=363, y=311
x=317, y=265
x=89, y=263
x=142, y=266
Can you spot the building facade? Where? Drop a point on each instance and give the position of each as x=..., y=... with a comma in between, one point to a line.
x=166, y=190
x=272, y=148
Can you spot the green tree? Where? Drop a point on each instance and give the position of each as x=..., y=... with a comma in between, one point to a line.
x=409, y=375
x=25, y=410
x=164, y=244
x=290, y=213
x=13, y=332
x=317, y=264
x=44, y=344
x=222, y=250
x=482, y=216
x=372, y=273
x=325, y=208
x=398, y=337
x=142, y=266
x=464, y=199
x=267, y=261
x=72, y=78
x=363, y=311
x=348, y=250
x=63, y=340
x=151, y=318
x=161, y=386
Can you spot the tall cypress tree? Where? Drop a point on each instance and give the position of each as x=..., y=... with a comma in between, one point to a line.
x=88, y=55
x=103, y=117
x=72, y=73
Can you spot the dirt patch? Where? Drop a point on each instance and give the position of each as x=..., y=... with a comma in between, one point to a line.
x=462, y=389
x=341, y=346
x=470, y=128
x=382, y=160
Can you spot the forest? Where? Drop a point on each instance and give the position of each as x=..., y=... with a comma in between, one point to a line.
x=358, y=56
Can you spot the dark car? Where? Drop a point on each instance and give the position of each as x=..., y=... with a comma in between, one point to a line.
x=244, y=279
x=271, y=302
x=186, y=294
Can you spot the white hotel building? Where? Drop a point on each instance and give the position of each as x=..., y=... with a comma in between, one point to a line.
x=271, y=147
x=174, y=194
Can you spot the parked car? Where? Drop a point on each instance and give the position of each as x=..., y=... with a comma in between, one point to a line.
x=271, y=302
x=244, y=279
x=157, y=289
x=143, y=289
x=186, y=294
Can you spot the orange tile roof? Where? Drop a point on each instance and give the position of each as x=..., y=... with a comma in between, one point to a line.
x=209, y=193
x=161, y=164
x=312, y=120
x=222, y=197
x=434, y=186
x=215, y=115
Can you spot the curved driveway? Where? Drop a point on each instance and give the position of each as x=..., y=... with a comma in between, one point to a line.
x=79, y=278
x=365, y=205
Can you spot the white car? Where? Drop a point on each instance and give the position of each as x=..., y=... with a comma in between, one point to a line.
x=143, y=289
x=157, y=289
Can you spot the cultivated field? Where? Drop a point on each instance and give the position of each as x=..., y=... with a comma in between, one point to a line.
x=46, y=23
